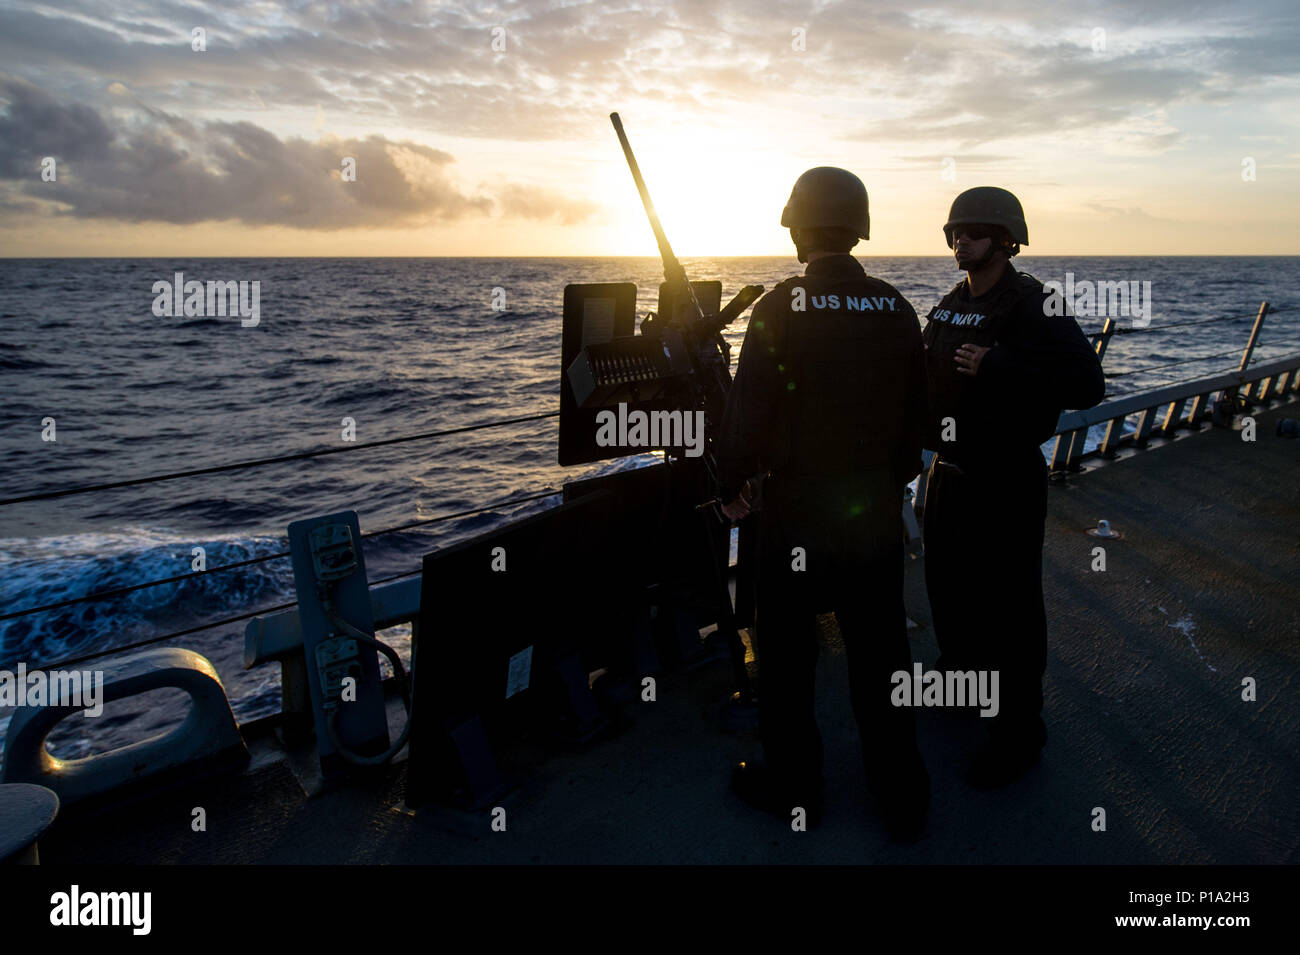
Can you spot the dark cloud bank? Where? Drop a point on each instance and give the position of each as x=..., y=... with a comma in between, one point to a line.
x=151, y=166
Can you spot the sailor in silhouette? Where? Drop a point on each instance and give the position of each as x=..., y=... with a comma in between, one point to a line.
x=829, y=403
x=1002, y=362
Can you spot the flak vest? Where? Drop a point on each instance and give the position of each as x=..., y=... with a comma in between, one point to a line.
x=954, y=322
x=846, y=354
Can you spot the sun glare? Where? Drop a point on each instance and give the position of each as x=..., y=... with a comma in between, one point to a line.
x=711, y=201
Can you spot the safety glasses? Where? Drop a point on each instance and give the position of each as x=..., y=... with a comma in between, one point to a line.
x=972, y=232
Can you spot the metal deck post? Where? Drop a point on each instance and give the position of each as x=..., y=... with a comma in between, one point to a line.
x=1225, y=408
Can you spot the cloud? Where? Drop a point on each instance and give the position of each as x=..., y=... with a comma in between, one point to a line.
x=1060, y=88
x=937, y=72
x=158, y=167
x=35, y=126
x=161, y=168
x=532, y=202
x=1129, y=214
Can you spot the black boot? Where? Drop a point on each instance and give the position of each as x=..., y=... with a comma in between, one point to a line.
x=902, y=793
x=758, y=787
x=1008, y=755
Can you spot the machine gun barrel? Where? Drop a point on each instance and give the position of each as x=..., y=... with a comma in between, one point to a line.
x=674, y=274
x=707, y=349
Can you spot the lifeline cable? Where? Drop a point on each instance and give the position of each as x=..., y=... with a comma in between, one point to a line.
x=1184, y=361
x=119, y=591
x=64, y=664
x=260, y=462
x=1199, y=321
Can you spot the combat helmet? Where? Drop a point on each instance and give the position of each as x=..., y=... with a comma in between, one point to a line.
x=828, y=197
x=988, y=205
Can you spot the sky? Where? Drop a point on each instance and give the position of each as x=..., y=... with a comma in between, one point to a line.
x=409, y=128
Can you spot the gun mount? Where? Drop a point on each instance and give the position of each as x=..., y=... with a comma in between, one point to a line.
x=678, y=366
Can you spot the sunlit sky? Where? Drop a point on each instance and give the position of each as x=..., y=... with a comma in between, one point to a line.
x=482, y=129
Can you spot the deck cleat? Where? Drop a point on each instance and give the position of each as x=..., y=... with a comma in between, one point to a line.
x=1103, y=530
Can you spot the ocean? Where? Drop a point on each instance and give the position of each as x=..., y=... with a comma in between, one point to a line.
x=399, y=347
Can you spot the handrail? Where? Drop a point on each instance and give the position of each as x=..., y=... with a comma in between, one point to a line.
x=1275, y=379
x=1128, y=404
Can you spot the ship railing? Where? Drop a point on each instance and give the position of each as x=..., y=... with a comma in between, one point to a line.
x=1161, y=411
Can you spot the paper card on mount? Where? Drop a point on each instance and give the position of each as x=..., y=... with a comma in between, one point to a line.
x=521, y=669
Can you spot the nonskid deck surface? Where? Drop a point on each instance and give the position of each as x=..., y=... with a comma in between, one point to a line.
x=1143, y=704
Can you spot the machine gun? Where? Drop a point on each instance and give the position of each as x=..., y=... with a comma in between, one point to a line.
x=680, y=361
x=706, y=351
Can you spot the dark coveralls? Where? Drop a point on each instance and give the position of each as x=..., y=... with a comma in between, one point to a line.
x=986, y=497
x=831, y=400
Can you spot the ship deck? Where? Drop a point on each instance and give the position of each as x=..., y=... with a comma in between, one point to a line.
x=1143, y=703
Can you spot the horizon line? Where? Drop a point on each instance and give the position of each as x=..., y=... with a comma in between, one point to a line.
x=1057, y=255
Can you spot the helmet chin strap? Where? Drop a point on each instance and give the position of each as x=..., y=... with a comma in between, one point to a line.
x=995, y=246
x=800, y=250
x=984, y=259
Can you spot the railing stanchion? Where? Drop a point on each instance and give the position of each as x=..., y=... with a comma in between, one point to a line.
x=1114, y=433
x=1173, y=418
x=1103, y=339
x=1199, y=406
x=1254, y=335
x=1223, y=417
x=1146, y=420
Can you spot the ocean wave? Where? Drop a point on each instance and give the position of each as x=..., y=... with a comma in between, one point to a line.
x=49, y=570
x=21, y=364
